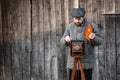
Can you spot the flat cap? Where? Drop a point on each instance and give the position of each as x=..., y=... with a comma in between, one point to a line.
x=78, y=12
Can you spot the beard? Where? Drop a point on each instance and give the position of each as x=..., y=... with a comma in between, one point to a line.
x=78, y=23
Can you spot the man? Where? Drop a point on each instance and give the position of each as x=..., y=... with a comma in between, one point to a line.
x=75, y=31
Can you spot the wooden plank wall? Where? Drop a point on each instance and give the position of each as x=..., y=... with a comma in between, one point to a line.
x=117, y=46
x=117, y=24
x=110, y=65
x=16, y=39
x=30, y=31
x=1, y=48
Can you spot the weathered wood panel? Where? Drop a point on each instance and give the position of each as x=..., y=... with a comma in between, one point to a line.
x=76, y=3
x=109, y=7
x=47, y=40
x=16, y=32
x=117, y=22
x=89, y=14
x=71, y=6
x=101, y=53
x=1, y=48
x=25, y=39
x=95, y=18
x=117, y=9
x=6, y=41
x=61, y=21
x=110, y=48
x=38, y=52
x=44, y=25
x=30, y=34
x=16, y=41
x=53, y=38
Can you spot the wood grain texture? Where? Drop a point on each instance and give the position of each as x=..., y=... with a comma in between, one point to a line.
x=61, y=21
x=30, y=33
x=38, y=51
x=21, y=39
x=109, y=7
x=70, y=7
x=16, y=31
x=1, y=48
x=6, y=41
x=101, y=54
x=88, y=6
x=95, y=18
x=47, y=43
x=117, y=9
x=117, y=23
x=25, y=39
x=53, y=39
x=110, y=48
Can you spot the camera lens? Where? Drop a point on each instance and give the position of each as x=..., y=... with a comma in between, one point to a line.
x=77, y=48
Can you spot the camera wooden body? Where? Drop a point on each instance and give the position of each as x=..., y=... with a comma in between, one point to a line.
x=77, y=48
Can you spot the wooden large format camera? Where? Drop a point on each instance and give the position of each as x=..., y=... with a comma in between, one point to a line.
x=77, y=48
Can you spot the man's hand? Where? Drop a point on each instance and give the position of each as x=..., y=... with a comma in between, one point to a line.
x=68, y=39
x=92, y=35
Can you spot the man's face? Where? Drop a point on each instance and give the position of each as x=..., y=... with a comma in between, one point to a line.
x=78, y=20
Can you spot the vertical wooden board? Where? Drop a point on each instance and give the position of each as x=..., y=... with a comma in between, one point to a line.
x=71, y=6
x=66, y=9
x=47, y=43
x=82, y=3
x=21, y=39
x=0, y=26
x=6, y=41
x=109, y=6
x=53, y=40
x=76, y=3
x=38, y=50
x=95, y=20
x=117, y=9
x=1, y=48
x=94, y=11
x=118, y=45
x=101, y=55
x=89, y=9
x=98, y=19
x=16, y=38
x=25, y=42
x=60, y=26
x=110, y=53
x=68, y=6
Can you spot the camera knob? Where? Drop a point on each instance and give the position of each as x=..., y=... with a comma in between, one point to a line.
x=77, y=48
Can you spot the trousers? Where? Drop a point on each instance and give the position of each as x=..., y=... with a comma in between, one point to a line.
x=88, y=74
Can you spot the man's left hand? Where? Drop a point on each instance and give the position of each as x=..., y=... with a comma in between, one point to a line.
x=92, y=35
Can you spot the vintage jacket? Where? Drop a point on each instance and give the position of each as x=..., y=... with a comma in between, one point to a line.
x=77, y=33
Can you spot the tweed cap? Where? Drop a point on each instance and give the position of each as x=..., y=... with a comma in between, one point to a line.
x=78, y=12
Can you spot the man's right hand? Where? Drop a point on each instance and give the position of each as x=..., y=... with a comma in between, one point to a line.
x=68, y=39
